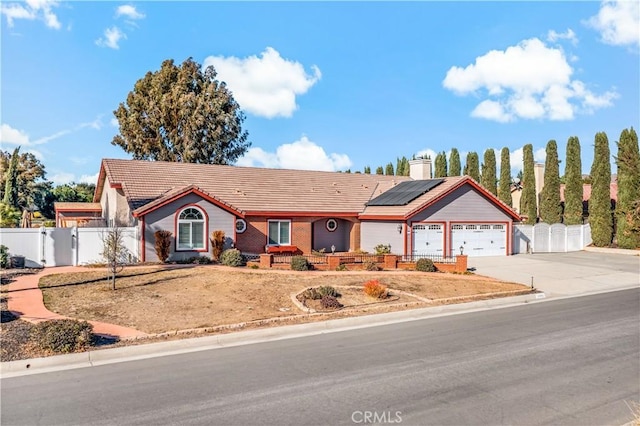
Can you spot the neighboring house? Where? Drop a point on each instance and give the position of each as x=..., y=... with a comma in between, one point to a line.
x=516, y=190
x=258, y=208
x=69, y=215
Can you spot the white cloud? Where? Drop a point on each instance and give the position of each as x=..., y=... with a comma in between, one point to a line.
x=13, y=136
x=36, y=154
x=428, y=152
x=526, y=81
x=129, y=11
x=114, y=122
x=267, y=85
x=62, y=178
x=88, y=179
x=569, y=35
x=618, y=22
x=112, y=37
x=302, y=154
x=31, y=10
x=517, y=158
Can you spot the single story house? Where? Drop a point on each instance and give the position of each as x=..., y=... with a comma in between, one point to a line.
x=69, y=215
x=259, y=208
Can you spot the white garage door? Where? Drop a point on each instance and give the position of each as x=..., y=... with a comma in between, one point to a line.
x=428, y=239
x=479, y=239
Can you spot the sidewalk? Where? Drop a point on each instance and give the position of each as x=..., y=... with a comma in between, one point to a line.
x=24, y=298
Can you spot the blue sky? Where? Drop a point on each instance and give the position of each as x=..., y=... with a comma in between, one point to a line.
x=328, y=85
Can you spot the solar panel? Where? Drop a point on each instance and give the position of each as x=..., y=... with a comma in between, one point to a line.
x=405, y=192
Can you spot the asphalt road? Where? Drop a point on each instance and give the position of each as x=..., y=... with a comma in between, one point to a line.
x=571, y=361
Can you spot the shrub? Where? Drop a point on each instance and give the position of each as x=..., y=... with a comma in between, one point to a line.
x=9, y=216
x=342, y=267
x=232, y=257
x=163, y=245
x=217, y=244
x=299, y=263
x=373, y=288
x=254, y=266
x=382, y=249
x=425, y=265
x=330, y=302
x=49, y=223
x=370, y=265
x=327, y=290
x=311, y=294
x=4, y=257
x=63, y=335
x=199, y=260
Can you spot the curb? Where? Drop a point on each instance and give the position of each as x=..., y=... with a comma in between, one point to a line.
x=152, y=350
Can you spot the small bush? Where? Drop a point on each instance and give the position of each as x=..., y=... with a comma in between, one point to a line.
x=425, y=265
x=232, y=257
x=254, y=266
x=373, y=288
x=327, y=290
x=299, y=263
x=342, y=267
x=311, y=294
x=49, y=223
x=382, y=249
x=163, y=245
x=330, y=302
x=4, y=257
x=197, y=260
x=370, y=265
x=63, y=335
x=217, y=244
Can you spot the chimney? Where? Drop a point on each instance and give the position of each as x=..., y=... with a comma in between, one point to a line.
x=420, y=168
x=538, y=174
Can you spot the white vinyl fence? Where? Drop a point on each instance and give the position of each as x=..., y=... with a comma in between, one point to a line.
x=64, y=246
x=545, y=238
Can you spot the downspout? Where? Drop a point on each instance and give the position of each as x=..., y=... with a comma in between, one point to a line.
x=143, y=254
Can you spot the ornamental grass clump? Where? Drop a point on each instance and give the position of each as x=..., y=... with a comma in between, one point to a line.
x=425, y=265
x=62, y=335
x=376, y=290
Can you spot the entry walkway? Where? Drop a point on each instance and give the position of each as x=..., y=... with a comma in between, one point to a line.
x=24, y=299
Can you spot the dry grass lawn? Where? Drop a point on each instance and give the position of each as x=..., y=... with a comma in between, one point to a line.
x=160, y=299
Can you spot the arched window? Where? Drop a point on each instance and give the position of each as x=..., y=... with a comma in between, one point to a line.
x=191, y=229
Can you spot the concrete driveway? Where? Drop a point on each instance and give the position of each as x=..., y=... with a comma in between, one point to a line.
x=564, y=274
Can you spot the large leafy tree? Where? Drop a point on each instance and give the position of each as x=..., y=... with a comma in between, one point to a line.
x=550, y=207
x=504, y=189
x=528, y=202
x=600, y=217
x=28, y=187
x=472, y=166
x=441, y=165
x=183, y=114
x=628, y=162
x=454, y=163
x=489, y=179
x=573, y=183
x=74, y=192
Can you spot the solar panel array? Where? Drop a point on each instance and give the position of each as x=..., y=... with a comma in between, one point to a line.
x=405, y=192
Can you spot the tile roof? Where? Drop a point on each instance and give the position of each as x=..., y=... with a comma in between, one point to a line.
x=77, y=206
x=247, y=189
x=586, y=191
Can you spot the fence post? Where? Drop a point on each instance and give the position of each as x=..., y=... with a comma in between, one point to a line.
x=390, y=261
x=533, y=239
x=333, y=262
x=266, y=260
x=461, y=263
x=42, y=239
x=74, y=246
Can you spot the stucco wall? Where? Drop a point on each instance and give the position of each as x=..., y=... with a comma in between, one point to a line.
x=374, y=233
x=165, y=218
x=115, y=207
x=323, y=239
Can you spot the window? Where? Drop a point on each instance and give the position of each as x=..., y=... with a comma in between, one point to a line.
x=456, y=227
x=190, y=229
x=280, y=232
x=331, y=225
x=241, y=226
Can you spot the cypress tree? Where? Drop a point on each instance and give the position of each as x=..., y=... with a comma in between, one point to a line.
x=504, y=190
x=628, y=162
x=441, y=165
x=379, y=170
x=573, y=184
x=528, y=202
x=600, y=217
x=472, y=167
x=550, y=208
x=405, y=166
x=454, y=163
x=389, y=170
x=11, y=184
x=489, y=171
x=367, y=170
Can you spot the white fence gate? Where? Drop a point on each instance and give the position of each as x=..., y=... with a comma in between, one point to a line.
x=544, y=238
x=64, y=246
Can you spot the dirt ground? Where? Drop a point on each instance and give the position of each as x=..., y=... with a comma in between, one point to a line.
x=161, y=299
